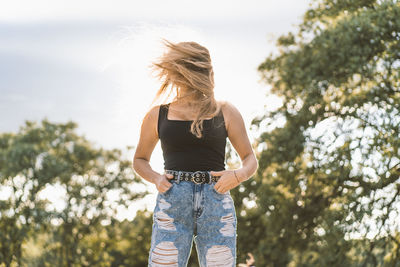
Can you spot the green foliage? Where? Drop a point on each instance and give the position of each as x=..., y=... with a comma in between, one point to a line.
x=328, y=182
x=51, y=159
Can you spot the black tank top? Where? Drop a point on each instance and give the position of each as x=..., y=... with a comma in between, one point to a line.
x=183, y=151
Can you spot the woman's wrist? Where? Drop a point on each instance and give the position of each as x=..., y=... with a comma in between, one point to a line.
x=241, y=175
x=154, y=177
x=237, y=178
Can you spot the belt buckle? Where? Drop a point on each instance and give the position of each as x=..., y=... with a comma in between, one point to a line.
x=198, y=176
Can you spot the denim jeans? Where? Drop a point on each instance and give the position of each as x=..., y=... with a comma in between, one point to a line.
x=188, y=211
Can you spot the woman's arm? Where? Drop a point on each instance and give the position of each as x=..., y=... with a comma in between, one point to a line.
x=147, y=141
x=237, y=135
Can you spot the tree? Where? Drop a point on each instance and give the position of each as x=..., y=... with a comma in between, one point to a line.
x=328, y=183
x=49, y=157
x=129, y=243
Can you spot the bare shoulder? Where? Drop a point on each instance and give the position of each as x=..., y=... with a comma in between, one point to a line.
x=150, y=120
x=152, y=113
x=228, y=109
x=230, y=113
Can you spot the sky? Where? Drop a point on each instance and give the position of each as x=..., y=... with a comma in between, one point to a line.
x=87, y=61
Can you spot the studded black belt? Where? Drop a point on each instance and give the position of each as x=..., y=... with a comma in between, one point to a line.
x=198, y=177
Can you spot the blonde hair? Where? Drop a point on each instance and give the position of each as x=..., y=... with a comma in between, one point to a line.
x=188, y=65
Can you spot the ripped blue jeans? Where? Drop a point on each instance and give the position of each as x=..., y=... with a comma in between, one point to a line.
x=188, y=211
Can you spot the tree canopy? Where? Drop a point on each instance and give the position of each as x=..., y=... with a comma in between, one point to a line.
x=50, y=159
x=327, y=190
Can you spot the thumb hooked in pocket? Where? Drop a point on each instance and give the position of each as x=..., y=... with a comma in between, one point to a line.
x=169, y=175
x=216, y=173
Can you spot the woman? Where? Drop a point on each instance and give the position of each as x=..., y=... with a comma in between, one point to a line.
x=193, y=200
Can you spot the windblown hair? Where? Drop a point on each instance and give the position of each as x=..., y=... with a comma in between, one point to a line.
x=188, y=65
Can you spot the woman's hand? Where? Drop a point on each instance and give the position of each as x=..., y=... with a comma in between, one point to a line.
x=162, y=183
x=227, y=181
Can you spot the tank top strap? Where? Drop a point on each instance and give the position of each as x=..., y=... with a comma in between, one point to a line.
x=220, y=114
x=162, y=116
x=163, y=111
